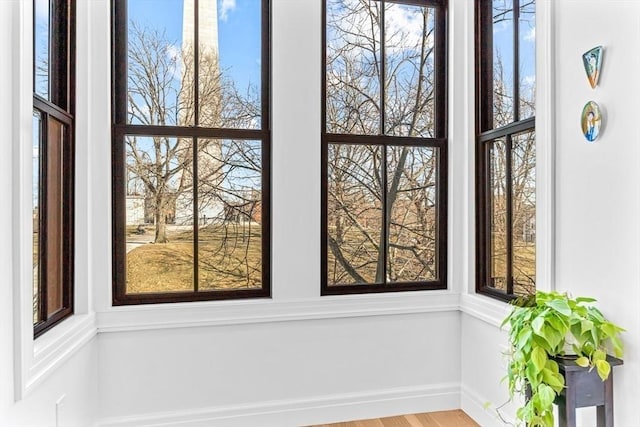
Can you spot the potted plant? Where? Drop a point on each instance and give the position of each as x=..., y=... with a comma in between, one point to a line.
x=543, y=327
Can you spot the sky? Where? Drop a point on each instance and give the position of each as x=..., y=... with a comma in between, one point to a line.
x=503, y=42
x=239, y=25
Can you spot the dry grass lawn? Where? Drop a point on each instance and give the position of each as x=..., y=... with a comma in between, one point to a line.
x=229, y=257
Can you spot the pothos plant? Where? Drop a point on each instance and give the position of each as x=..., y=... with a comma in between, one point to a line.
x=546, y=325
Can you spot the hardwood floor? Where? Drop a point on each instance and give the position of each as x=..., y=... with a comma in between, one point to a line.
x=431, y=419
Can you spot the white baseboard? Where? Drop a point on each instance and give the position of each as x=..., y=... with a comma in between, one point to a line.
x=474, y=406
x=304, y=411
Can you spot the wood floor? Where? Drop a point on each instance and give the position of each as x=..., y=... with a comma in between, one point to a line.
x=431, y=419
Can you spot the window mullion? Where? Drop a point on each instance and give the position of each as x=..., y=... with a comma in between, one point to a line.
x=194, y=141
x=196, y=223
x=516, y=60
x=384, y=235
x=509, y=219
x=386, y=214
x=382, y=70
x=196, y=64
x=43, y=207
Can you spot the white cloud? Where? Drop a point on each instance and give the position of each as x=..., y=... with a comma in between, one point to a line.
x=530, y=36
x=405, y=28
x=529, y=81
x=42, y=10
x=225, y=7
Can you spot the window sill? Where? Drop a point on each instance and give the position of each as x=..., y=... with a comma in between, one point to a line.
x=222, y=313
x=53, y=349
x=487, y=309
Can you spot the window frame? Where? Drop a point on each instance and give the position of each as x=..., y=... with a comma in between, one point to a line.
x=60, y=107
x=439, y=142
x=483, y=139
x=120, y=129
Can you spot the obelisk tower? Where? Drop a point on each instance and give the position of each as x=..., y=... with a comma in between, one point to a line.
x=209, y=156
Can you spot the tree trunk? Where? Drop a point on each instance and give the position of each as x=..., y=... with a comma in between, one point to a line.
x=161, y=223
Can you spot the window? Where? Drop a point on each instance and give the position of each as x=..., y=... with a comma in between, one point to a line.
x=53, y=164
x=506, y=148
x=384, y=146
x=191, y=150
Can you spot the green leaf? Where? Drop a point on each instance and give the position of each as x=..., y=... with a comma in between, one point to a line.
x=539, y=358
x=610, y=329
x=585, y=326
x=582, y=361
x=617, y=346
x=553, y=380
x=559, y=324
x=523, y=337
x=595, y=336
x=553, y=337
x=537, y=324
x=599, y=355
x=552, y=365
x=585, y=299
x=548, y=419
x=547, y=395
x=603, y=368
x=576, y=349
x=561, y=306
x=596, y=314
x=532, y=375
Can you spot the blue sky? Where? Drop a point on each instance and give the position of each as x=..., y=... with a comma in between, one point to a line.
x=239, y=23
x=503, y=41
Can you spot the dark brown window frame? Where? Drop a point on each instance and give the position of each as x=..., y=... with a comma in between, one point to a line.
x=485, y=134
x=120, y=129
x=438, y=142
x=60, y=107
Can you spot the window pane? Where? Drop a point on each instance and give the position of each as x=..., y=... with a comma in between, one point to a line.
x=497, y=198
x=160, y=62
x=35, y=203
x=503, y=61
x=524, y=212
x=409, y=62
x=229, y=214
x=229, y=62
x=353, y=72
x=354, y=215
x=527, y=65
x=56, y=135
x=159, y=214
x=411, y=201
x=42, y=31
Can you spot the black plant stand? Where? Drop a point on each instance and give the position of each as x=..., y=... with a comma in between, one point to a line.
x=585, y=388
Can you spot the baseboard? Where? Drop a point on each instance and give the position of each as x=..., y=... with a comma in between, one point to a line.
x=473, y=405
x=305, y=411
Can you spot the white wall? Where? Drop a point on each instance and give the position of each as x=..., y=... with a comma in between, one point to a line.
x=299, y=358
x=598, y=192
x=597, y=200
x=75, y=378
x=302, y=371
x=305, y=371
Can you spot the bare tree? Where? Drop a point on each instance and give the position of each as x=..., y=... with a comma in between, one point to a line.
x=161, y=87
x=522, y=167
x=356, y=237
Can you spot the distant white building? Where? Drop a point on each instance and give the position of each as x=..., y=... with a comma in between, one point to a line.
x=135, y=210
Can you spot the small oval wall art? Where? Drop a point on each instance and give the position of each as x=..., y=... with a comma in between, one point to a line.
x=591, y=121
